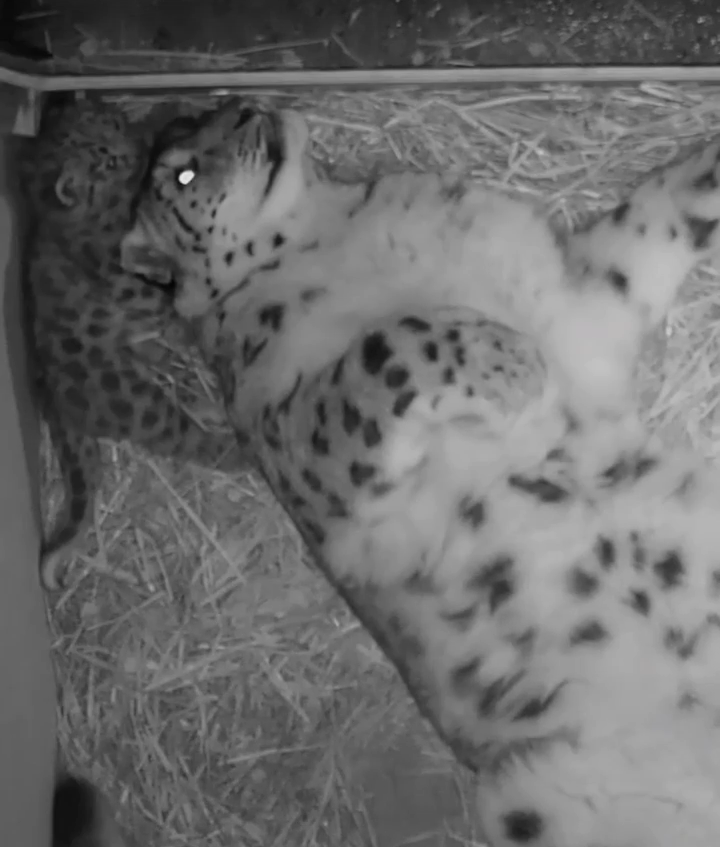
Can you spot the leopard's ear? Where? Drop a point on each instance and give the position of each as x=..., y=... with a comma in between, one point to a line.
x=297, y=133
x=290, y=184
x=139, y=255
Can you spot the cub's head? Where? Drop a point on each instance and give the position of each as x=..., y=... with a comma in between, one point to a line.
x=221, y=197
x=83, y=168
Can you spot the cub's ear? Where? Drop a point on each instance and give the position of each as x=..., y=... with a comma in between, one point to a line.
x=69, y=188
x=139, y=255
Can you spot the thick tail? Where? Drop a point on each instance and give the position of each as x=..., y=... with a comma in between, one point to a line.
x=79, y=459
x=81, y=816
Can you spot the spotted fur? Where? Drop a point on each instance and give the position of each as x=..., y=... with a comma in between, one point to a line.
x=237, y=201
x=79, y=176
x=427, y=382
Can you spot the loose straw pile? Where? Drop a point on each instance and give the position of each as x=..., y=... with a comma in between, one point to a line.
x=209, y=680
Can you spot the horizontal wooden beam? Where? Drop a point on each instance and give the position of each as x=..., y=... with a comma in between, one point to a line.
x=360, y=78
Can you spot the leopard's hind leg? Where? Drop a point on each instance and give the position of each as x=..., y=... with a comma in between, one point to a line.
x=625, y=269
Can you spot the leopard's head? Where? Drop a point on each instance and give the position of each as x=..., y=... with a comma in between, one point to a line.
x=221, y=198
x=83, y=168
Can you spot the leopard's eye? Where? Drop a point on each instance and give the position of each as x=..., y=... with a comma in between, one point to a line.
x=185, y=175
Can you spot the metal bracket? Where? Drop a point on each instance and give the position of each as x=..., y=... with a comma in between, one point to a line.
x=19, y=110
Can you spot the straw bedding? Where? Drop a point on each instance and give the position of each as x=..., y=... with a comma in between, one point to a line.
x=209, y=680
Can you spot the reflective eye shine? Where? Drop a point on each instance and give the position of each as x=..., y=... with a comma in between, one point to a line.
x=186, y=176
